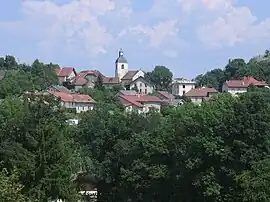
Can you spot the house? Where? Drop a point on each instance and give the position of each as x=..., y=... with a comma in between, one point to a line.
x=140, y=85
x=181, y=86
x=130, y=76
x=78, y=102
x=169, y=98
x=110, y=81
x=198, y=95
x=65, y=74
x=140, y=103
x=240, y=86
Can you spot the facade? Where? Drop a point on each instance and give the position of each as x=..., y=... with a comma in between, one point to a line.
x=141, y=85
x=240, y=86
x=182, y=86
x=199, y=95
x=131, y=76
x=65, y=74
x=78, y=102
x=140, y=103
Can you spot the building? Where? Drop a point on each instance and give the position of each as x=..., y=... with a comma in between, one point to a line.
x=140, y=85
x=65, y=74
x=140, y=103
x=182, y=86
x=199, y=95
x=240, y=86
x=78, y=102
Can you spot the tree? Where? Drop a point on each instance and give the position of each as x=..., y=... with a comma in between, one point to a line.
x=99, y=83
x=161, y=77
x=36, y=140
x=10, y=188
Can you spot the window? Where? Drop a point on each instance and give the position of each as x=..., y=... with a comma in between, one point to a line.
x=140, y=84
x=184, y=86
x=122, y=66
x=140, y=90
x=145, y=91
x=184, y=92
x=145, y=85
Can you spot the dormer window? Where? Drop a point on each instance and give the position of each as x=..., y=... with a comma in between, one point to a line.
x=122, y=66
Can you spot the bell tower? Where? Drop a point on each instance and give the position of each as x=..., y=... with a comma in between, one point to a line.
x=121, y=65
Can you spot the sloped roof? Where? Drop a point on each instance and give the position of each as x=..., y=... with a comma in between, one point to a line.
x=73, y=97
x=130, y=74
x=142, y=79
x=244, y=83
x=166, y=94
x=138, y=100
x=200, y=92
x=79, y=80
x=110, y=80
x=65, y=71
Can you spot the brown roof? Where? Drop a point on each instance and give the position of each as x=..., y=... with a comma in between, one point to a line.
x=110, y=80
x=244, y=83
x=166, y=94
x=72, y=97
x=79, y=80
x=65, y=71
x=200, y=92
x=130, y=74
x=138, y=100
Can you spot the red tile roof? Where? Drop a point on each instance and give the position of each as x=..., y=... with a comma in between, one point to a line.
x=65, y=71
x=244, y=83
x=200, y=92
x=166, y=94
x=79, y=80
x=138, y=100
x=72, y=97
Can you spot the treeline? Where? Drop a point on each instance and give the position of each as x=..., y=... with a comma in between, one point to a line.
x=258, y=67
x=17, y=78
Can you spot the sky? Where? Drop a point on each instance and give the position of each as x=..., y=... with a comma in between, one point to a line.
x=190, y=37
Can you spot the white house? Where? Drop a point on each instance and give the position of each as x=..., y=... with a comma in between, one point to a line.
x=198, y=95
x=78, y=102
x=140, y=84
x=182, y=86
x=140, y=103
x=65, y=74
x=240, y=86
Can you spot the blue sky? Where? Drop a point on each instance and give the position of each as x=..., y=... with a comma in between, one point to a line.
x=188, y=36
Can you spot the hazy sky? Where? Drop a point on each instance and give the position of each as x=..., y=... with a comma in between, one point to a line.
x=188, y=36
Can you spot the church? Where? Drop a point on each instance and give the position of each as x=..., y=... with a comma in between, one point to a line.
x=129, y=79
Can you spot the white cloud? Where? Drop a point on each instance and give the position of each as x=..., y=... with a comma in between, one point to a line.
x=238, y=25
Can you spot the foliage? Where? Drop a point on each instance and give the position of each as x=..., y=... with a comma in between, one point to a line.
x=257, y=67
x=36, y=140
x=20, y=77
x=161, y=77
x=99, y=83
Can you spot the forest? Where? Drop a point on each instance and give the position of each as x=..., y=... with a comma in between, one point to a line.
x=216, y=152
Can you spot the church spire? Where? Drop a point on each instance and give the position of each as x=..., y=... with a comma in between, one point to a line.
x=121, y=53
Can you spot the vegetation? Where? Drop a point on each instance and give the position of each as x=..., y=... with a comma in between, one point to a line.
x=216, y=152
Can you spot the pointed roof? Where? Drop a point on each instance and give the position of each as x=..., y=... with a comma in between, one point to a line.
x=121, y=58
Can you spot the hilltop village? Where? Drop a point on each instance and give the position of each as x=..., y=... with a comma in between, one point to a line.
x=136, y=91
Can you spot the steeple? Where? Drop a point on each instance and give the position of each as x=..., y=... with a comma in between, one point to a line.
x=121, y=58
x=121, y=65
x=121, y=53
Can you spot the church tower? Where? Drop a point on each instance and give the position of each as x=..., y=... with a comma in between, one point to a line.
x=121, y=65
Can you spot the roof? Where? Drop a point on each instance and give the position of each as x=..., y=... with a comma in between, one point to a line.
x=166, y=94
x=121, y=58
x=140, y=78
x=110, y=80
x=59, y=88
x=138, y=100
x=128, y=92
x=73, y=97
x=65, y=71
x=130, y=74
x=91, y=72
x=244, y=83
x=200, y=92
x=79, y=80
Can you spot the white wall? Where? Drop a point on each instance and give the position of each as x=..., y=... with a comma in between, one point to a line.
x=140, y=73
x=119, y=71
x=143, y=87
x=233, y=91
x=79, y=107
x=182, y=88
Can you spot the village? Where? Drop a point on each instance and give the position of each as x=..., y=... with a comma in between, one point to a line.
x=139, y=94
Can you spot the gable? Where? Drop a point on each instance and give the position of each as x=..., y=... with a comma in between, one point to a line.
x=142, y=80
